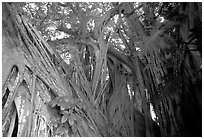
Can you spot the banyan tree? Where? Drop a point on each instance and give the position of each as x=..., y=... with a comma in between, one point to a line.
x=101, y=69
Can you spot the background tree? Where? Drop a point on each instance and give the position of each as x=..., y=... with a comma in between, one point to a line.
x=102, y=69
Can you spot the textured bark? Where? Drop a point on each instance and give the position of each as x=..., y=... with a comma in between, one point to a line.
x=38, y=79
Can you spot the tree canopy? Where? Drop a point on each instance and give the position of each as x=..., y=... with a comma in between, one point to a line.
x=102, y=69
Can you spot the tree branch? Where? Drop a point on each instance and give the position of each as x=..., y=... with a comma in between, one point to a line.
x=121, y=57
x=112, y=50
x=68, y=31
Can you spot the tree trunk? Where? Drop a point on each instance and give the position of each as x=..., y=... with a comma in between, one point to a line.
x=32, y=82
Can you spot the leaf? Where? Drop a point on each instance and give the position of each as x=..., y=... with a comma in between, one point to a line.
x=59, y=130
x=64, y=118
x=72, y=119
x=63, y=105
x=64, y=112
x=52, y=103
